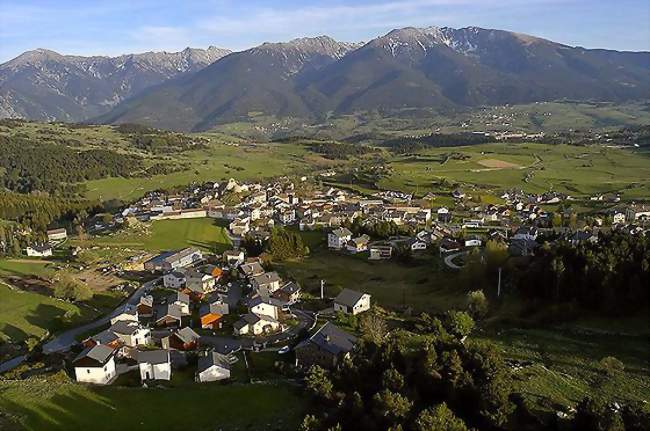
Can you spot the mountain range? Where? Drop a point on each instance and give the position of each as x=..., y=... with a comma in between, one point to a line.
x=45, y=85
x=312, y=78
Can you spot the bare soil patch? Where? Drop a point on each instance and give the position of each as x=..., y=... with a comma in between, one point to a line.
x=497, y=164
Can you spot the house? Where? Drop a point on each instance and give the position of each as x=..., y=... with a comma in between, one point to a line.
x=168, y=315
x=458, y=194
x=56, y=235
x=289, y=293
x=250, y=270
x=174, y=280
x=211, y=314
x=358, y=245
x=527, y=233
x=338, y=238
x=473, y=242
x=233, y=258
x=449, y=245
x=145, y=306
x=326, y=348
x=267, y=283
x=584, y=236
x=255, y=324
x=127, y=313
x=154, y=365
x=352, y=302
x=416, y=244
x=261, y=307
x=182, y=300
x=131, y=333
x=380, y=252
x=618, y=218
x=198, y=283
x=105, y=338
x=182, y=339
x=96, y=365
x=39, y=250
x=186, y=257
x=444, y=216
x=212, y=366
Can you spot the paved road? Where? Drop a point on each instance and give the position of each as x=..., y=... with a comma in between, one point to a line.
x=67, y=339
x=449, y=260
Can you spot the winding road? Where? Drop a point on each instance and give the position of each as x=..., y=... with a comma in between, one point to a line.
x=65, y=340
x=449, y=260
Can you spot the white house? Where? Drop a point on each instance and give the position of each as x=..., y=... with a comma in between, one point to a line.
x=212, y=366
x=380, y=252
x=55, y=235
x=358, y=245
x=182, y=300
x=338, y=238
x=155, y=365
x=618, y=218
x=261, y=307
x=352, y=302
x=131, y=333
x=174, y=280
x=234, y=258
x=96, y=365
x=128, y=313
x=39, y=250
x=255, y=324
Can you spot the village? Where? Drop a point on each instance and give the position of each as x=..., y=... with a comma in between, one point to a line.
x=200, y=307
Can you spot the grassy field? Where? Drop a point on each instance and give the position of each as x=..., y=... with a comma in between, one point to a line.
x=215, y=163
x=71, y=407
x=170, y=235
x=25, y=314
x=20, y=267
x=423, y=285
x=577, y=171
x=562, y=365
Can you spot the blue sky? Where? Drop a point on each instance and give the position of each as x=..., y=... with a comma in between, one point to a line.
x=123, y=26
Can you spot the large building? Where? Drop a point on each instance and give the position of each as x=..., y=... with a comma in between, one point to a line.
x=326, y=348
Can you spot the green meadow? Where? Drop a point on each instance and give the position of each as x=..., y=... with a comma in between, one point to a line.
x=162, y=235
x=577, y=171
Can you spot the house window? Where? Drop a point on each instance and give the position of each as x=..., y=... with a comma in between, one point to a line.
x=88, y=371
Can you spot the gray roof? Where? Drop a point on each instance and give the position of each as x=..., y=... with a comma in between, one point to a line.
x=180, y=297
x=342, y=232
x=251, y=268
x=153, y=357
x=332, y=339
x=211, y=358
x=266, y=278
x=187, y=335
x=348, y=297
x=124, y=327
x=172, y=310
x=181, y=254
x=105, y=337
x=290, y=287
x=99, y=353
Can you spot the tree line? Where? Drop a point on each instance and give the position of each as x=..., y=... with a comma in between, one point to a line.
x=611, y=276
x=411, y=144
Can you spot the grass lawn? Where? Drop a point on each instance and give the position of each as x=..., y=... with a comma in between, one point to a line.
x=25, y=314
x=424, y=285
x=170, y=235
x=20, y=267
x=72, y=407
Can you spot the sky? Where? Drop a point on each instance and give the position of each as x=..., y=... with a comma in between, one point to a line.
x=115, y=27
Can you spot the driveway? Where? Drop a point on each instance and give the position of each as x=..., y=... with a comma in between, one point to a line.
x=65, y=340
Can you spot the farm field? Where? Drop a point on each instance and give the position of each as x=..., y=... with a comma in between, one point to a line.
x=26, y=314
x=169, y=235
x=577, y=171
x=71, y=407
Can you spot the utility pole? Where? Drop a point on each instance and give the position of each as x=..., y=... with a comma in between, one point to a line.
x=322, y=289
x=499, y=285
